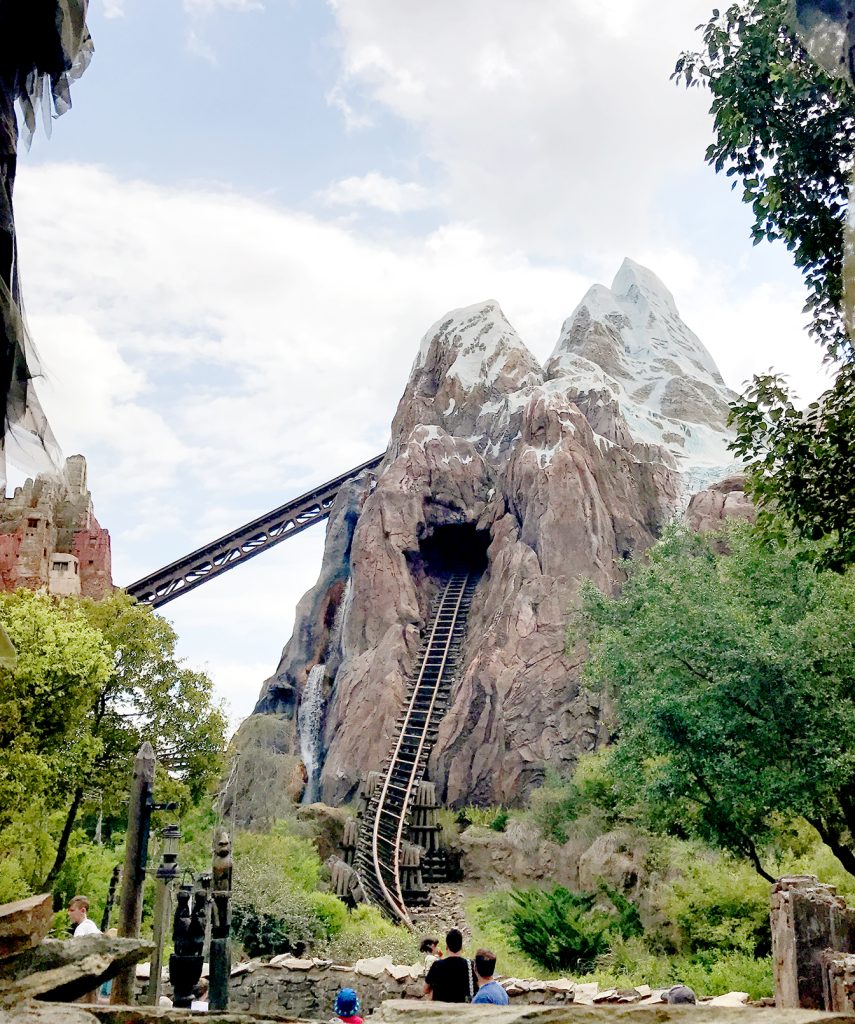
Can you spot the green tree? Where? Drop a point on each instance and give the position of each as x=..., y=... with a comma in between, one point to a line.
x=46, y=745
x=785, y=131
x=148, y=694
x=734, y=684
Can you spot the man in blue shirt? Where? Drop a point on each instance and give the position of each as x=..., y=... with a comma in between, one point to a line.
x=489, y=991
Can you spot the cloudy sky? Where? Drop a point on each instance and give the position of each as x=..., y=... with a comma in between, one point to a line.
x=234, y=241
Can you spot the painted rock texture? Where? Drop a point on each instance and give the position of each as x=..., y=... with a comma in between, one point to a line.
x=543, y=478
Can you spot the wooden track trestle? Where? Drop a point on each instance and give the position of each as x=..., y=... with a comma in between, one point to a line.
x=381, y=842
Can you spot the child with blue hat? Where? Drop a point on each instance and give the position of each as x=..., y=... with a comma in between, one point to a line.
x=347, y=1007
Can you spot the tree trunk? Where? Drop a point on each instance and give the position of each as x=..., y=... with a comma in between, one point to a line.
x=831, y=837
x=62, y=848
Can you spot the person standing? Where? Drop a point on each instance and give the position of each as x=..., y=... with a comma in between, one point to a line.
x=489, y=991
x=78, y=911
x=451, y=979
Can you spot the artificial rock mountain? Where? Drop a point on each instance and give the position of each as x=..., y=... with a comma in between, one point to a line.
x=564, y=471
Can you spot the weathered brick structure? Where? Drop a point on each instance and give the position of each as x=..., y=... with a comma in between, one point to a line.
x=50, y=538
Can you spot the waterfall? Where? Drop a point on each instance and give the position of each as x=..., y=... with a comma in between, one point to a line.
x=309, y=718
x=335, y=644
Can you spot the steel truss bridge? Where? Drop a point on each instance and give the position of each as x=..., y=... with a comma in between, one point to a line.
x=245, y=542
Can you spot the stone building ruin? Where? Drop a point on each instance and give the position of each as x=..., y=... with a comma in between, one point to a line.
x=50, y=539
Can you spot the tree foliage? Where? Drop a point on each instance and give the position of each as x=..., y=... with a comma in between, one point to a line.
x=785, y=131
x=93, y=680
x=45, y=745
x=734, y=683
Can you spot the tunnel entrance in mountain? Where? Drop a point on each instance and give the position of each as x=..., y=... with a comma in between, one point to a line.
x=455, y=548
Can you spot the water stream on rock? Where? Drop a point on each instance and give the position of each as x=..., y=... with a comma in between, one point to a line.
x=336, y=640
x=309, y=730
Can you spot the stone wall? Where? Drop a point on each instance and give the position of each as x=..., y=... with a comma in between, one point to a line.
x=812, y=930
x=307, y=988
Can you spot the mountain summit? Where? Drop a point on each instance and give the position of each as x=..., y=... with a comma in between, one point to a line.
x=531, y=480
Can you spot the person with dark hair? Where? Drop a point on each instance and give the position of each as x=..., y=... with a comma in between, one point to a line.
x=681, y=995
x=429, y=948
x=489, y=991
x=451, y=979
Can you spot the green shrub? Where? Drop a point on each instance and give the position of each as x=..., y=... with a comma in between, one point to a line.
x=330, y=911
x=288, y=926
x=564, y=930
x=489, y=919
x=718, y=903
x=630, y=962
x=275, y=907
x=553, y=808
x=366, y=933
x=500, y=821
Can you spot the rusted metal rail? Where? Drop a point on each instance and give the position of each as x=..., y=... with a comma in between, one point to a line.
x=245, y=542
x=383, y=825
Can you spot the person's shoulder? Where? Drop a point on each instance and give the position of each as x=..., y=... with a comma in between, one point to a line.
x=492, y=993
x=86, y=927
x=435, y=969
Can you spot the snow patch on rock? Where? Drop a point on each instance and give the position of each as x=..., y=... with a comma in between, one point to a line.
x=629, y=344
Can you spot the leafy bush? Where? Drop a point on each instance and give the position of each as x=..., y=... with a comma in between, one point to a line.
x=500, y=821
x=553, y=808
x=289, y=926
x=630, y=962
x=489, y=918
x=330, y=911
x=275, y=907
x=564, y=930
x=367, y=933
x=595, y=791
x=718, y=903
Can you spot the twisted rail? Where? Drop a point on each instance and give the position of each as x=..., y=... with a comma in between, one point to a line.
x=382, y=831
x=245, y=542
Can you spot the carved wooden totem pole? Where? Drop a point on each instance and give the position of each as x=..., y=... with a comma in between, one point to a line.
x=220, y=958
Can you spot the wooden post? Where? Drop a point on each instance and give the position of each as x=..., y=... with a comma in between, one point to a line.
x=133, y=875
x=162, y=907
x=220, y=958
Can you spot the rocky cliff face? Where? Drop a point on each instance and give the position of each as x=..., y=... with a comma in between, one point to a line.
x=559, y=473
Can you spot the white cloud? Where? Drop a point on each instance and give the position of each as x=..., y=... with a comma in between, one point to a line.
x=213, y=356
x=197, y=46
x=378, y=191
x=206, y=7
x=554, y=123
x=114, y=8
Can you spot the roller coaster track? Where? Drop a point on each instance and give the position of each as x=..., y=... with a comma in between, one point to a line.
x=383, y=825
x=245, y=542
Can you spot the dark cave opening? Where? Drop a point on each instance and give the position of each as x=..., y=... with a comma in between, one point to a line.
x=455, y=548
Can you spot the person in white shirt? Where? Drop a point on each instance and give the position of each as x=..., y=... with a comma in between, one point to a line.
x=78, y=911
